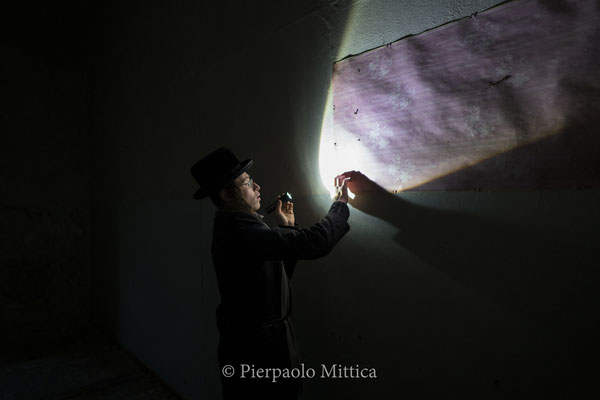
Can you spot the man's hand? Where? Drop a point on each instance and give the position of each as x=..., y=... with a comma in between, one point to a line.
x=341, y=187
x=285, y=213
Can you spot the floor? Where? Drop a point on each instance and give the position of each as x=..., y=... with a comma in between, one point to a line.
x=93, y=367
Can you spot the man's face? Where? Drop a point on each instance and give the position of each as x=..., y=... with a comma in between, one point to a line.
x=250, y=190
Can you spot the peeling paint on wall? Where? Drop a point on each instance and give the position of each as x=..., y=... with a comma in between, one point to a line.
x=508, y=98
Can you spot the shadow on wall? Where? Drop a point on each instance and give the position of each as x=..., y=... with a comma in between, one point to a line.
x=569, y=159
x=540, y=276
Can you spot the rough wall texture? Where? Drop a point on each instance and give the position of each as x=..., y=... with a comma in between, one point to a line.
x=503, y=312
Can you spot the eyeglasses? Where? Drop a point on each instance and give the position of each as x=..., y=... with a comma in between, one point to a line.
x=250, y=183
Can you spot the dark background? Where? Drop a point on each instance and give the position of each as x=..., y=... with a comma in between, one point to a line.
x=105, y=105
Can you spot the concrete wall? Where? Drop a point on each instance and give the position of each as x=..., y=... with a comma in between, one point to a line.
x=44, y=175
x=447, y=295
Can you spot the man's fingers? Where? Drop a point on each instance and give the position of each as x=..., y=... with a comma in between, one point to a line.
x=343, y=185
x=341, y=179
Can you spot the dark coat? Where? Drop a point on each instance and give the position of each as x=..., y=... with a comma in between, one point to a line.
x=254, y=265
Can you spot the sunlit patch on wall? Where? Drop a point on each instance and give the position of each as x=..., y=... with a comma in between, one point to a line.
x=509, y=98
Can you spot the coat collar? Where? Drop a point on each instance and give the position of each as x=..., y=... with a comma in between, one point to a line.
x=229, y=214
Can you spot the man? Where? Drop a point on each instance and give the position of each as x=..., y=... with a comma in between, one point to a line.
x=254, y=264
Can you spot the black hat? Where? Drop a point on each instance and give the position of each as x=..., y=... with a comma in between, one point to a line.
x=216, y=170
